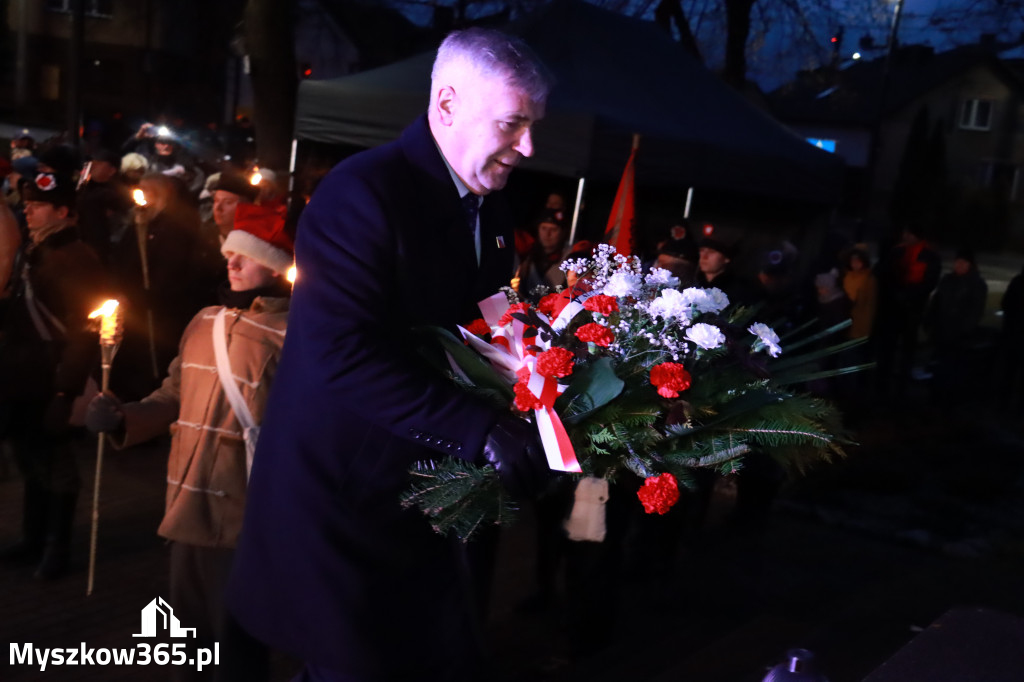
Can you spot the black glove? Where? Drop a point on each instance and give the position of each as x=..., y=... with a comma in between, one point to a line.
x=104, y=415
x=513, y=447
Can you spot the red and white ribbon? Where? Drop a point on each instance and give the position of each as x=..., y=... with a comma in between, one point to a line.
x=513, y=347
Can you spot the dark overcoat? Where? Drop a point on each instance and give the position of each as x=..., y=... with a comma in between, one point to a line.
x=329, y=566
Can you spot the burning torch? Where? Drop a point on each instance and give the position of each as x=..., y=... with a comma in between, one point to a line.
x=110, y=338
x=141, y=234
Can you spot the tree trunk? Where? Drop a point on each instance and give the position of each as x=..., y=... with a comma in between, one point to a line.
x=270, y=44
x=737, y=14
x=668, y=11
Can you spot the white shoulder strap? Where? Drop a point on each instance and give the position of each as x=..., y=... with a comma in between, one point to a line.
x=227, y=381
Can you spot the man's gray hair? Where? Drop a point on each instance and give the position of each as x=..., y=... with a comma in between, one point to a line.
x=494, y=53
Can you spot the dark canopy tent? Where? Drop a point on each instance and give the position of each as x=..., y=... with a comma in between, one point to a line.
x=615, y=76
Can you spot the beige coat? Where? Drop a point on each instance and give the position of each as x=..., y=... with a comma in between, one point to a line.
x=206, y=477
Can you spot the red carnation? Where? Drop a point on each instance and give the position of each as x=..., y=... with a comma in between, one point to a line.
x=555, y=363
x=594, y=333
x=525, y=400
x=548, y=304
x=514, y=308
x=659, y=493
x=670, y=378
x=478, y=327
x=606, y=305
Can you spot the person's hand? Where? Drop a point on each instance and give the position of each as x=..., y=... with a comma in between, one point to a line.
x=146, y=130
x=514, y=449
x=104, y=414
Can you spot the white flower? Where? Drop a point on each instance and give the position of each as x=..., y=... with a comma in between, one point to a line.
x=660, y=277
x=622, y=285
x=716, y=301
x=707, y=336
x=706, y=300
x=767, y=337
x=669, y=304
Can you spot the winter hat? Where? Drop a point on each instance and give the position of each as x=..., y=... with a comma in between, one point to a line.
x=52, y=188
x=25, y=166
x=260, y=234
x=555, y=217
x=236, y=184
x=718, y=245
x=62, y=159
x=133, y=161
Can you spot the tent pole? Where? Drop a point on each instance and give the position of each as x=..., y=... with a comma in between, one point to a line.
x=576, y=212
x=689, y=200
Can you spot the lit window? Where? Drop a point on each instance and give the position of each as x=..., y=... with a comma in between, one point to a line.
x=976, y=114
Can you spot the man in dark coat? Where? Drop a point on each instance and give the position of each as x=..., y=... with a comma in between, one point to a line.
x=46, y=355
x=329, y=566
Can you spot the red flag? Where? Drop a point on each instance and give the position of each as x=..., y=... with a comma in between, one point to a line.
x=619, y=232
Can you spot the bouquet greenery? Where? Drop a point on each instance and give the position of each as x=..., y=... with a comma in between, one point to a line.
x=625, y=371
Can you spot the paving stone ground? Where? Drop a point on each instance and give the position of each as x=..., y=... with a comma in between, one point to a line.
x=853, y=561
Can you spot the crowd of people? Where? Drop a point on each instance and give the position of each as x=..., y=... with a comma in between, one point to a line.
x=297, y=540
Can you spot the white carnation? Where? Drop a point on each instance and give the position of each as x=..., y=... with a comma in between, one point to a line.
x=660, y=277
x=716, y=301
x=767, y=336
x=670, y=303
x=622, y=285
x=707, y=336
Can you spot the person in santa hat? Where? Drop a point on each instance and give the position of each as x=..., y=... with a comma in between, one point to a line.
x=207, y=471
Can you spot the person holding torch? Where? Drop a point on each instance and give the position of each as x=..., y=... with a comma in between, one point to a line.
x=49, y=351
x=207, y=471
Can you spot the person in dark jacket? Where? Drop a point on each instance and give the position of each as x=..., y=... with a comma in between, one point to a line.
x=47, y=356
x=908, y=274
x=952, y=319
x=329, y=566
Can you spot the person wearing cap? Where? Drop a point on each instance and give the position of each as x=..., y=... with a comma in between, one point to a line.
x=540, y=266
x=228, y=190
x=164, y=153
x=155, y=266
x=207, y=470
x=714, y=270
x=952, y=321
x=48, y=355
x=104, y=203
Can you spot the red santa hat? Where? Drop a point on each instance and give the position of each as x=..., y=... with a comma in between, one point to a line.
x=260, y=234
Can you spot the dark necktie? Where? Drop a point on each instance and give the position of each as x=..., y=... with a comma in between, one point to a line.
x=471, y=207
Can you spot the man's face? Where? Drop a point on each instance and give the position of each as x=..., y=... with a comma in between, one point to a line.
x=712, y=262
x=491, y=125
x=163, y=148
x=101, y=171
x=961, y=266
x=224, y=206
x=40, y=215
x=244, y=273
x=550, y=236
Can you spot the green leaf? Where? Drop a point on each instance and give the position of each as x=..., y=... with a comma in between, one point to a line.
x=593, y=386
x=476, y=368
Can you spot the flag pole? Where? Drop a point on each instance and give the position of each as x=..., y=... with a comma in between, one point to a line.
x=576, y=211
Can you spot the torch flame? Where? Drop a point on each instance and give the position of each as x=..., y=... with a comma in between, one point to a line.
x=256, y=178
x=292, y=274
x=108, y=326
x=140, y=197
